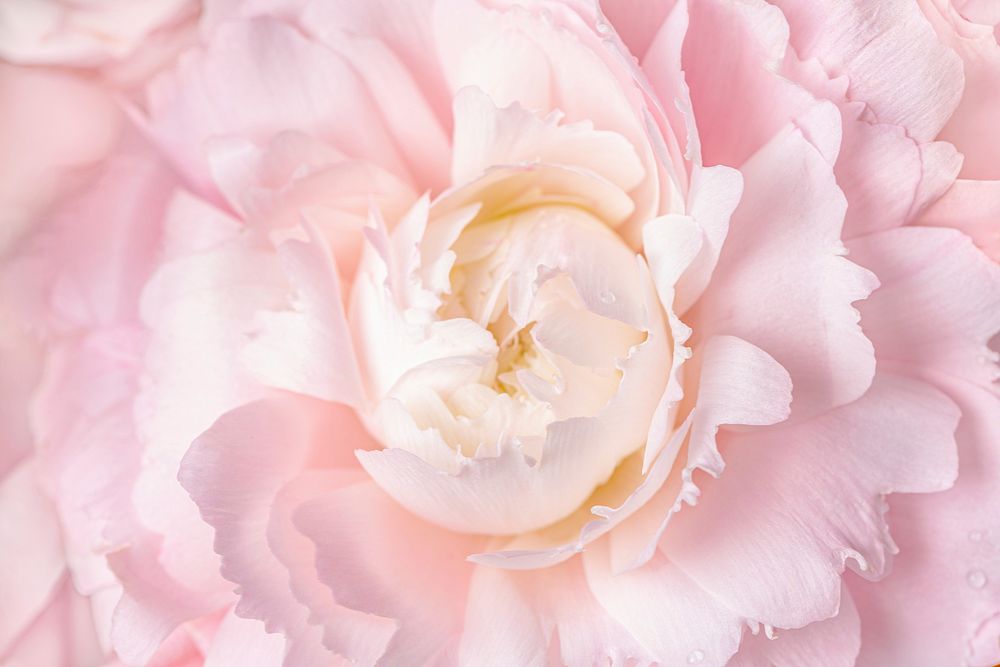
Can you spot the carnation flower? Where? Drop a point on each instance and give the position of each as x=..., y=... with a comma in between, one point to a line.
x=495, y=332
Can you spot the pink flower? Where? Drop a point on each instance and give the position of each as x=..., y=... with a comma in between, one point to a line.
x=481, y=332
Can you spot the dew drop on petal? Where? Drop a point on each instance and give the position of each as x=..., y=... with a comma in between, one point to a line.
x=603, y=28
x=607, y=297
x=976, y=536
x=976, y=579
x=696, y=656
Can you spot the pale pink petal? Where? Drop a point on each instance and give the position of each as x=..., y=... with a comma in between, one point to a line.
x=788, y=511
x=405, y=27
x=715, y=193
x=51, y=123
x=833, y=642
x=971, y=128
x=240, y=642
x=739, y=385
x=53, y=32
x=307, y=348
x=636, y=21
x=739, y=100
x=63, y=634
x=82, y=416
x=388, y=44
x=940, y=605
x=948, y=556
x=515, y=54
x=259, y=77
x=668, y=613
x=543, y=617
x=893, y=61
x=199, y=307
x=379, y=559
x=939, y=304
x=360, y=638
x=782, y=282
x=96, y=250
x=32, y=551
x=153, y=603
x=972, y=207
x=486, y=136
x=234, y=471
x=19, y=374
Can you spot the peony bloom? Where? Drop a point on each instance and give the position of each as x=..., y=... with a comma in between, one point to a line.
x=484, y=332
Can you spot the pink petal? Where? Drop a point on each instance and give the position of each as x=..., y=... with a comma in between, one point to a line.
x=283, y=348
x=782, y=282
x=971, y=127
x=788, y=511
x=739, y=385
x=939, y=604
x=30, y=526
x=834, y=642
x=939, y=304
x=548, y=617
x=231, y=89
x=234, y=471
x=893, y=61
x=744, y=540
x=60, y=122
x=240, y=642
x=636, y=21
x=487, y=136
x=739, y=101
x=63, y=634
x=671, y=616
x=379, y=559
x=972, y=207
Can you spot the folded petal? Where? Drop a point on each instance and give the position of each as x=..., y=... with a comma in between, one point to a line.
x=377, y=558
x=782, y=282
x=834, y=642
x=788, y=511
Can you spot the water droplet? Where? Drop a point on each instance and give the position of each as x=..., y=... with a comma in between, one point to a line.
x=976, y=578
x=607, y=296
x=696, y=656
x=976, y=536
x=603, y=28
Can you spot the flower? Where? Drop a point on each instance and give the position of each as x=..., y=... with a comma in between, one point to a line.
x=506, y=333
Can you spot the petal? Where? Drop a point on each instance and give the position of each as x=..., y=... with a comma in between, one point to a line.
x=970, y=128
x=308, y=348
x=240, y=642
x=738, y=99
x=549, y=617
x=890, y=54
x=379, y=559
x=30, y=526
x=199, y=307
x=515, y=54
x=233, y=472
x=939, y=304
x=739, y=385
x=230, y=89
x=744, y=540
x=782, y=282
x=51, y=123
x=940, y=603
x=834, y=642
x=636, y=21
x=62, y=634
x=487, y=136
x=665, y=610
x=972, y=207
